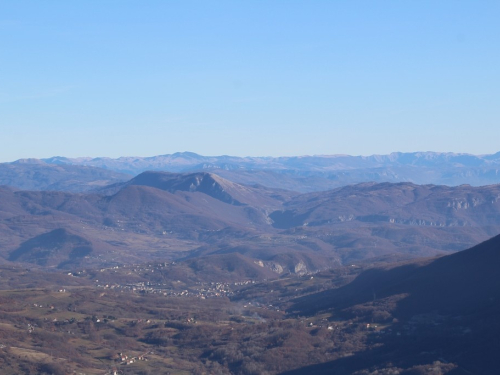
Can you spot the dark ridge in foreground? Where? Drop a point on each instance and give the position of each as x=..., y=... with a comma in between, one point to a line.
x=458, y=283
x=447, y=306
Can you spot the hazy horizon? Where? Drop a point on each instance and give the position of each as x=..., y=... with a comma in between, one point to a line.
x=108, y=79
x=249, y=156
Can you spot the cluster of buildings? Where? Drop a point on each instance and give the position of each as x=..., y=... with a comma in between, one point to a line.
x=199, y=290
x=126, y=360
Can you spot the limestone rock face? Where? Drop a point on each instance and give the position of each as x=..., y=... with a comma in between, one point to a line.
x=300, y=268
x=276, y=267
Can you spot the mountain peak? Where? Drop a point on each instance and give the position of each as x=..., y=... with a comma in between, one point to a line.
x=187, y=154
x=202, y=182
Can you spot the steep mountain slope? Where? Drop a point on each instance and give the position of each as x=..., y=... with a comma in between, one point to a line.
x=289, y=180
x=458, y=283
x=211, y=185
x=440, y=308
x=403, y=203
x=372, y=217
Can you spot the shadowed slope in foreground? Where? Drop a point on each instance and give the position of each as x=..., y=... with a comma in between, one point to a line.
x=445, y=309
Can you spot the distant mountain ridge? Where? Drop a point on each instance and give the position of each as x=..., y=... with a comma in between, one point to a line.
x=315, y=173
x=184, y=160
x=35, y=174
x=295, y=173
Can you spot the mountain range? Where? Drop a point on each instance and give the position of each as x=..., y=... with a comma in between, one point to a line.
x=296, y=173
x=34, y=174
x=364, y=278
x=182, y=216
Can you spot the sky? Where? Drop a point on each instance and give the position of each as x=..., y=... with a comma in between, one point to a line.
x=248, y=78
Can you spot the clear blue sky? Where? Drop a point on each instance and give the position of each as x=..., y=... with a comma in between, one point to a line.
x=121, y=78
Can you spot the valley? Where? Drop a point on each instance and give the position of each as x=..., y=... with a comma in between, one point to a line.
x=249, y=188
x=190, y=273
x=364, y=319
x=161, y=216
